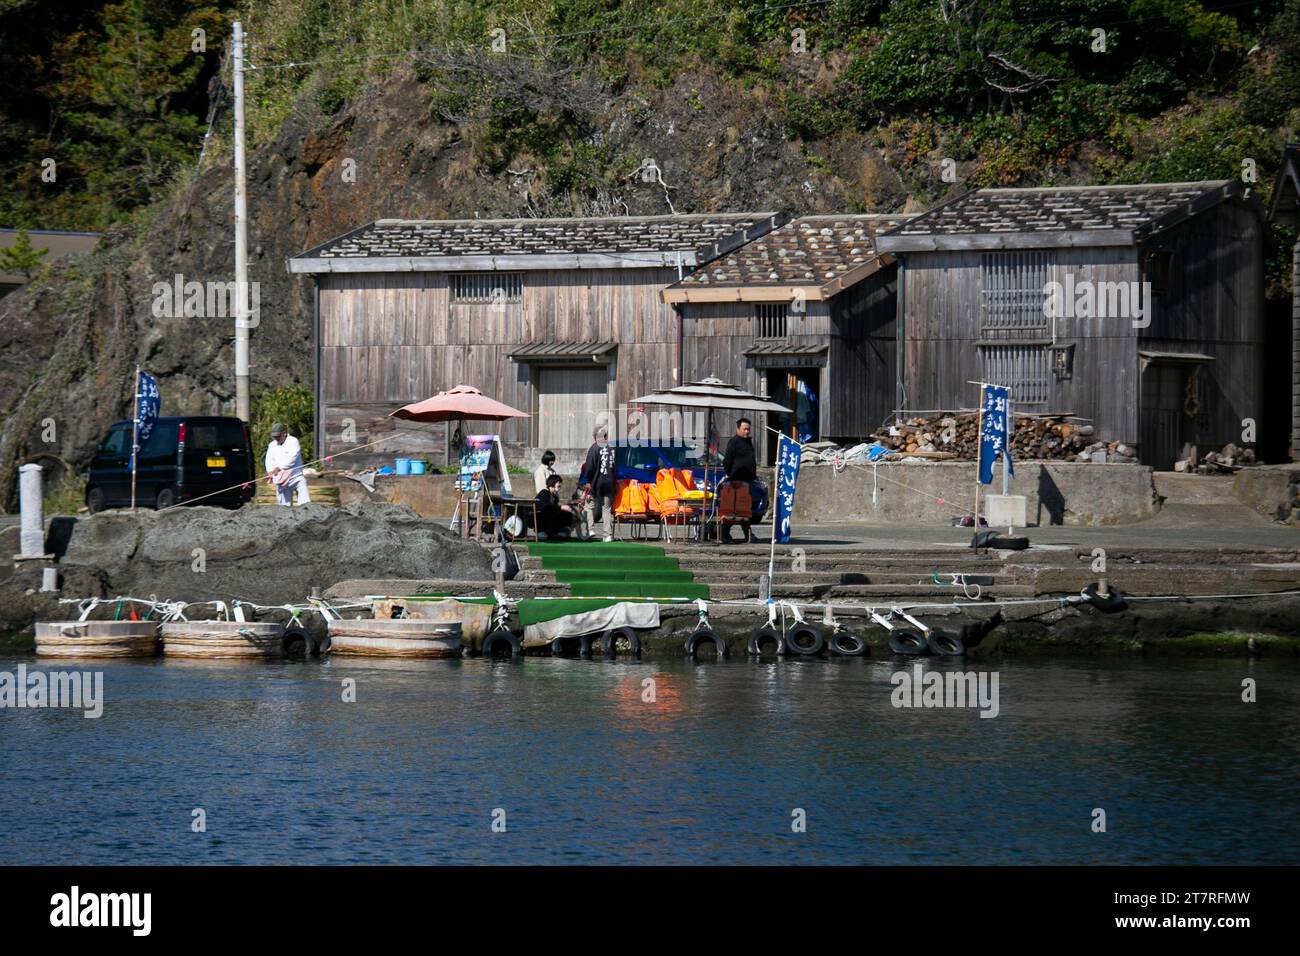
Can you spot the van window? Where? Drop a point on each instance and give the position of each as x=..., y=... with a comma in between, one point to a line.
x=161, y=445
x=214, y=436
x=118, y=442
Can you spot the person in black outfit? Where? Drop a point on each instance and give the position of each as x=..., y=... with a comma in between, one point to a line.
x=597, y=481
x=741, y=465
x=554, y=519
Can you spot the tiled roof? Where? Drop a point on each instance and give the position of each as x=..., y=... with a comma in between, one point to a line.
x=808, y=251
x=475, y=243
x=1067, y=215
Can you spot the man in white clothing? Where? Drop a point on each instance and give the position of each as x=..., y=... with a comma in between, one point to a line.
x=284, y=467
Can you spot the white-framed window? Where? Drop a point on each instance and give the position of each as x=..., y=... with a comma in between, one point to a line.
x=1012, y=291
x=771, y=320
x=486, y=288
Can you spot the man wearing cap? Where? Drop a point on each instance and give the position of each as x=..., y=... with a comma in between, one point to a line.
x=284, y=467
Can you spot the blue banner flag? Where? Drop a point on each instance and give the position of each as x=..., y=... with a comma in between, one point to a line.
x=787, y=474
x=995, y=431
x=147, y=399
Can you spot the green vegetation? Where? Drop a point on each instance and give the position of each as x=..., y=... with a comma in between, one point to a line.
x=1017, y=93
x=68, y=498
x=291, y=405
x=21, y=257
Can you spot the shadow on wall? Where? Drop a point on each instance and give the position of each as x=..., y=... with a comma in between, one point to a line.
x=1049, y=498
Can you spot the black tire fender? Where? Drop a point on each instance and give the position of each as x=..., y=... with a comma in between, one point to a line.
x=761, y=636
x=699, y=636
x=292, y=637
x=944, y=643
x=609, y=642
x=1113, y=601
x=844, y=643
x=909, y=641
x=813, y=644
x=502, y=639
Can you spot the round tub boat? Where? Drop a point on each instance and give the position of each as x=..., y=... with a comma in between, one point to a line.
x=222, y=639
x=404, y=637
x=97, y=639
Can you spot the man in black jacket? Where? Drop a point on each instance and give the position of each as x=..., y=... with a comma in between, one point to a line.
x=597, y=480
x=741, y=465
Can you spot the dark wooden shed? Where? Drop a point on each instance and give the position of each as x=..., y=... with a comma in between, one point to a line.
x=1285, y=209
x=1139, y=307
x=804, y=314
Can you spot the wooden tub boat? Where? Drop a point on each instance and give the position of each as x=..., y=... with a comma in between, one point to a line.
x=97, y=639
x=222, y=639
x=404, y=637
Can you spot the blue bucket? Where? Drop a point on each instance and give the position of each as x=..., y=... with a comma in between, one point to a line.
x=403, y=466
x=417, y=466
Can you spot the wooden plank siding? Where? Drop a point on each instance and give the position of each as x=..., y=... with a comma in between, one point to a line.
x=387, y=339
x=1212, y=304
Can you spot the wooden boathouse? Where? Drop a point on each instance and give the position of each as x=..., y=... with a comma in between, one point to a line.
x=1285, y=210
x=804, y=314
x=559, y=317
x=1046, y=290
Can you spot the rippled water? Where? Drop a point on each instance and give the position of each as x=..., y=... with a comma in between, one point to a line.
x=711, y=772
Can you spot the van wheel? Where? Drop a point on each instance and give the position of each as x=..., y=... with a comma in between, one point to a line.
x=95, y=500
x=166, y=498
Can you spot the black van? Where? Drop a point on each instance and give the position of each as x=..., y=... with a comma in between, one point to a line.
x=184, y=459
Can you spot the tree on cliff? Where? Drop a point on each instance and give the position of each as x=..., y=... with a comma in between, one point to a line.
x=21, y=256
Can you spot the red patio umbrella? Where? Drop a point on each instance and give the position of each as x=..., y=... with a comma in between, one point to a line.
x=457, y=404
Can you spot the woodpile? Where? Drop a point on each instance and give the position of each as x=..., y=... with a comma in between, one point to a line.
x=1225, y=462
x=1061, y=437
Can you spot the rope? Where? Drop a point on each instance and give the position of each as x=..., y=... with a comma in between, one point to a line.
x=174, y=610
x=266, y=478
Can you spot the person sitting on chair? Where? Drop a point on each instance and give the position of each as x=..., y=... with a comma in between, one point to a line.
x=554, y=520
x=741, y=465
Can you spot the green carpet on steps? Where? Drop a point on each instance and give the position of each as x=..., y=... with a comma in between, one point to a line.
x=617, y=569
x=601, y=573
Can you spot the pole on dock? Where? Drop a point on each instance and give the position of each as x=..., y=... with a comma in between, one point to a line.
x=241, y=232
x=135, y=434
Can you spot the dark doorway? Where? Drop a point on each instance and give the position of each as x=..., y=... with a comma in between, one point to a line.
x=798, y=389
x=1164, y=389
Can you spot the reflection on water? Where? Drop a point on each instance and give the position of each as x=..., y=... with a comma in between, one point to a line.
x=589, y=770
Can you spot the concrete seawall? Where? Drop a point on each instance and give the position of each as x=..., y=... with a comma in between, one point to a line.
x=907, y=493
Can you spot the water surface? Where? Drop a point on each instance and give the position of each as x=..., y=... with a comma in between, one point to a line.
x=712, y=771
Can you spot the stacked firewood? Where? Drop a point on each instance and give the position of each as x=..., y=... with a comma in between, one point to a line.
x=956, y=436
x=1226, y=461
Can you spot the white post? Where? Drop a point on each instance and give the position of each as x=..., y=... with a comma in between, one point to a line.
x=135, y=434
x=31, y=503
x=241, y=233
x=1006, y=456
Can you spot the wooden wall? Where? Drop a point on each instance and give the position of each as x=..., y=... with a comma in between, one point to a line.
x=387, y=339
x=863, y=357
x=715, y=337
x=941, y=326
x=1212, y=305
x=857, y=377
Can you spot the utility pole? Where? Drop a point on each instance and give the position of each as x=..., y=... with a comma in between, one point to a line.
x=241, y=234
